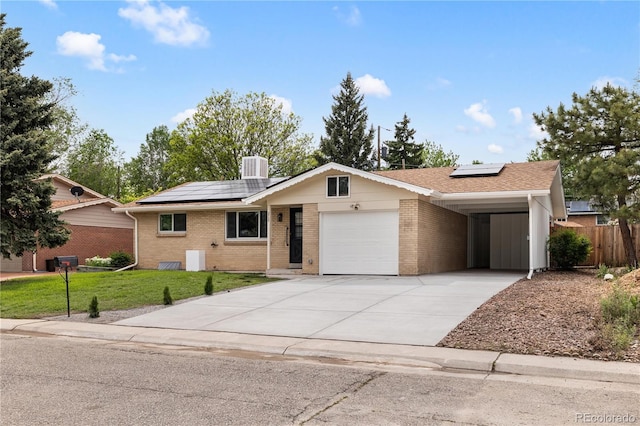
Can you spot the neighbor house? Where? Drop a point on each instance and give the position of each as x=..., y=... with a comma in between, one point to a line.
x=582, y=213
x=95, y=229
x=338, y=220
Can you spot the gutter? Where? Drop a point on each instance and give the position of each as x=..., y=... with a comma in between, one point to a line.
x=135, y=243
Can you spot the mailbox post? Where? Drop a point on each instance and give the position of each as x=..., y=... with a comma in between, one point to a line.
x=66, y=262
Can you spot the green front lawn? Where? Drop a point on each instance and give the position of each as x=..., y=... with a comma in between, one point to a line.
x=42, y=296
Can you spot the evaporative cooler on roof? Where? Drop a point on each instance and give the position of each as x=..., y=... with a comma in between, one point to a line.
x=475, y=170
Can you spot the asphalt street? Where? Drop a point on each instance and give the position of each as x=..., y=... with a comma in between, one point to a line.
x=63, y=380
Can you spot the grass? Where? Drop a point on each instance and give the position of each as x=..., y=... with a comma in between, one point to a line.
x=43, y=296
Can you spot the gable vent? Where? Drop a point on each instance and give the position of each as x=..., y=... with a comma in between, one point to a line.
x=254, y=168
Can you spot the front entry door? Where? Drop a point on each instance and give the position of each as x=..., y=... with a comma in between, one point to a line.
x=295, y=237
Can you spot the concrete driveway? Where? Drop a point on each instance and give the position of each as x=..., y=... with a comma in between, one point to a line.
x=402, y=310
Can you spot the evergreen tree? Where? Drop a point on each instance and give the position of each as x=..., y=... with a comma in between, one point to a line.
x=403, y=151
x=348, y=141
x=27, y=219
x=598, y=139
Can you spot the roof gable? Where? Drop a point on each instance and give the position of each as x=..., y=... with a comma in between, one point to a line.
x=341, y=169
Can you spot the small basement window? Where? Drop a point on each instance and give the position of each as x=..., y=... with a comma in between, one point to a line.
x=172, y=222
x=246, y=225
x=337, y=186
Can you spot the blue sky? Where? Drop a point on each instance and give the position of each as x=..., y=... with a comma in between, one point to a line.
x=468, y=74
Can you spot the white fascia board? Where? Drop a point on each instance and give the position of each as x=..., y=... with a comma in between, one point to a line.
x=183, y=207
x=70, y=183
x=497, y=195
x=342, y=169
x=83, y=204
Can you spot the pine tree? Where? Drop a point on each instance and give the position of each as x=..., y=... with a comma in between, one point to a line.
x=348, y=142
x=403, y=147
x=27, y=219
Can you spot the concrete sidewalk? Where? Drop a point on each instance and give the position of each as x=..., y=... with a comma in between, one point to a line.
x=391, y=354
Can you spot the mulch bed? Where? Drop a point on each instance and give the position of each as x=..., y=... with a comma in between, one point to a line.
x=556, y=313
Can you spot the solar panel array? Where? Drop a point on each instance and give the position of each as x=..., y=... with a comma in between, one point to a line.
x=227, y=190
x=471, y=170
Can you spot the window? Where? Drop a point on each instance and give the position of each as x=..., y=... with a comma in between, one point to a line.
x=173, y=222
x=602, y=219
x=249, y=225
x=338, y=186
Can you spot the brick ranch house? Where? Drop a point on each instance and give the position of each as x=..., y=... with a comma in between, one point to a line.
x=338, y=220
x=95, y=229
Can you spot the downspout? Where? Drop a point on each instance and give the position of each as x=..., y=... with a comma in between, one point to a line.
x=34, y=259
x=529, y=201
x=269, y=230
x=135, y=243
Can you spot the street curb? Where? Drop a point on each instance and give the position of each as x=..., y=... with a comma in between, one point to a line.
x=422, y=356
x=569, y=368
x=389, y=354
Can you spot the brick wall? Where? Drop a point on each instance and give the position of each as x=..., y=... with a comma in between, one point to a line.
x=408, y=233
x=442, y=239
x=310, y=239
x=203, y=229
x=85, y=241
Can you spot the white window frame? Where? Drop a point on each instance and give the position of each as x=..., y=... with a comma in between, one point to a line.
x=173, y=223
x=238, y=237
x=337, y=178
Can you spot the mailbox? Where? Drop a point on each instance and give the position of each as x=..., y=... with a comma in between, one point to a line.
x=65, y=261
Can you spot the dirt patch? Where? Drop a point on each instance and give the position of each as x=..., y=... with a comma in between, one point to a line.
x=554, y=313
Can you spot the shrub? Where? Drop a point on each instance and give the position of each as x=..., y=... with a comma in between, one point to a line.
x=208, y=286
x=103, y=262
x=168, y=300
x=120, y=259
x=602, y=270
x=568, y=249
x=620, y=304
x=94, y=312
x=620, y=312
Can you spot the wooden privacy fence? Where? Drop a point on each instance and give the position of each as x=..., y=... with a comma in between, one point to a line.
x=606, y=241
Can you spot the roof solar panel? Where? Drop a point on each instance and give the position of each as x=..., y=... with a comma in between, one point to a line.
x=226, y=190
x=471, y=170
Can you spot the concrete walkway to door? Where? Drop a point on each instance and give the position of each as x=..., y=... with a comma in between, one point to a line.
x=402, y=310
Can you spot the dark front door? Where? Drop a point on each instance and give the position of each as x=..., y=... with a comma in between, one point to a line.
x=295, y=235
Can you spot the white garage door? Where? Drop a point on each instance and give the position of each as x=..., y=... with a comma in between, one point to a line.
x=359, y=243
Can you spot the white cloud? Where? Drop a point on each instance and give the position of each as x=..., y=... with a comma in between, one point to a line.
x=495, y=149
x=370, y=85
x=535, y=132
x=168, y=25
x=601, y=82
x=121, y=58
x=88, y=46
x=353, y=17
x=181, y=116
x=479, y=113
x=517, y=114
x=286, y=104
x=51, y=4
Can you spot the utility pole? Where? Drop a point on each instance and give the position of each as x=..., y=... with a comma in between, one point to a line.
x=379, y=146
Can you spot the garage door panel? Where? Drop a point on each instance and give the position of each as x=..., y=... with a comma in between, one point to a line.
x=360, y=243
